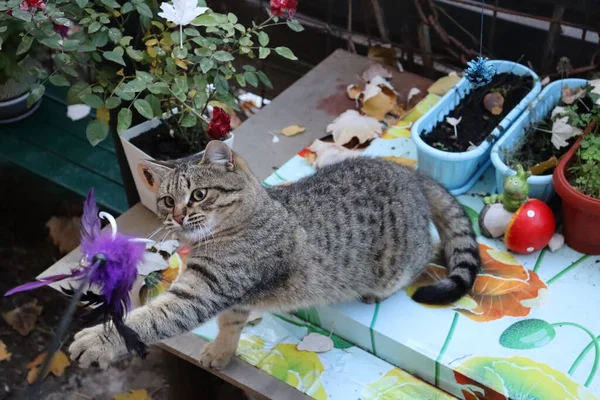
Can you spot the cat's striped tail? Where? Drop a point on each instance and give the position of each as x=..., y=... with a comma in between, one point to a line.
x=460, y=248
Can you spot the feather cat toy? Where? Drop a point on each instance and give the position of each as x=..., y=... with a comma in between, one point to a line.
x=109, y=263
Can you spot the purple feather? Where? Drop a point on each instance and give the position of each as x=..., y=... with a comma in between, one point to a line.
x=90, y=223
x=42, y=282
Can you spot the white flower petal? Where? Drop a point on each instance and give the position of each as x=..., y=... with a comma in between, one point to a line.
x=78, y=111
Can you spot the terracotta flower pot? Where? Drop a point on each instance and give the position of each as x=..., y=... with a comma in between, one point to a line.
x=581, y=213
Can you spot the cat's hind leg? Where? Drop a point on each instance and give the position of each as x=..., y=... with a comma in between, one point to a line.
x=218, y=353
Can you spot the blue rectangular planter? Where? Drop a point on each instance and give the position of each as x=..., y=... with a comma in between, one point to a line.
x=459, y=171
x=540, y=186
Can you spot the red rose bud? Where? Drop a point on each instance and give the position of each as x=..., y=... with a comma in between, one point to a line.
x=220, y=124
x=278, y=7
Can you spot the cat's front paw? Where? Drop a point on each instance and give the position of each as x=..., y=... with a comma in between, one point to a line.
x=216, y=355
x=95, y=345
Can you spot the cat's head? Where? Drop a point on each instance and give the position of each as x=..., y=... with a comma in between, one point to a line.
x=200, y=199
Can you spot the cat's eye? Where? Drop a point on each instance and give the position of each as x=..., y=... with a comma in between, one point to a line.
x=169, y=201
x=198, y=194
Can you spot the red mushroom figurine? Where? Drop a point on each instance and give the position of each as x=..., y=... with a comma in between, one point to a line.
x=531, y=228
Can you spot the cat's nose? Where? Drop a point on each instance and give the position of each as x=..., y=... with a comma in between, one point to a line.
x=179, y=218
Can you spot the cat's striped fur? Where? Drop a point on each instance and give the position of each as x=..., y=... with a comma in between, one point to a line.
x=354, y=230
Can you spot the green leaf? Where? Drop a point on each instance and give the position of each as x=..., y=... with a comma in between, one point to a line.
x=124, y=120
x=251, y=78
x=223, y=56
x=3, y=29
x=181, y=83
x=112, y=102
x=285, y=52
x=127, y=7
x=114, y=56
x=76, y=91
x=36, y=93
x=144, y=76
x=228, y=99
x=200, y=83
x=24, y=45
x=158, y=88
x=63, y=58
x=134, y=54
x=59, y=80
x=205, y=19
x=96, y=131
x=92, y=100
x=110, y=3
x=51, y=43
x=81, y=3
x=264, y=79
x=123, y=94
x=94, y=27
x=527, y=334
x=221, y=84
x=144, y=10
x=191, y=32
x=99, y=39
x=74, y=45
x=249, y=68
x=154, y=103
x=474, y=218
x=134, y=86
x=200, y=100
x=114, y=35
x=189, y=120
x=206, y=64
x=295, y=26
x=231, y=17
x=144, y=108
x=22, y=15
x=263, y=53
x=263, y=38
x=241, y=80
x=246, y=41
x=125, y=40
x=180, y=52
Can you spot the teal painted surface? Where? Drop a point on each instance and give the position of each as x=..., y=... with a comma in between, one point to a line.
x=51, y=145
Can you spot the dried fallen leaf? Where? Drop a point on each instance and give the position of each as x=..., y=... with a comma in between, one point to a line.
x=293, y=130
x=562, y=131
x=569, y=96
x=353, y=92
x=557, y=111
x=78, y=111
x=407, y=162
x=545, y=81
x=316, y=343
x=595, y=88
x=23, y=318
x=59, y=363
x=326, y=153
x=494, y=103
x=443, y=85
x=64, y=232
x=351, y=125
x=4, y=354
x=386, y=55
x=140, y=394
x=379, y=105
x=376, y=70
x=541, y=168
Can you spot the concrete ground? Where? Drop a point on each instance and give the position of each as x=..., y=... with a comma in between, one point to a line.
x=25, y=251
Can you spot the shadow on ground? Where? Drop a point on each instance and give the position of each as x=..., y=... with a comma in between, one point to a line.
x=25, y=251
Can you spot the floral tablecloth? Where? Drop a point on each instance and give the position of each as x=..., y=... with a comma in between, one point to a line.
x=528, y=330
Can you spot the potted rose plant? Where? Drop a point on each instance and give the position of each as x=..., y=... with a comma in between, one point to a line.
x=577, y=182
x=25, y=27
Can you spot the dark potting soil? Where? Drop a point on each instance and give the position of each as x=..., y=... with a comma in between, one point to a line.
x=158, y=143
x=477, y=123
x=536, y=146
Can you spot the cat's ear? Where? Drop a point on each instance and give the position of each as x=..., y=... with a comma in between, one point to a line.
x=218, y=152
x=152, y=173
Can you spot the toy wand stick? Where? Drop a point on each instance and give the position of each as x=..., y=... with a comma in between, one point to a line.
x=33, y=391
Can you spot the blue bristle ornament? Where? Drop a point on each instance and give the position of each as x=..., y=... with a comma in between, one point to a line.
x=479, y=72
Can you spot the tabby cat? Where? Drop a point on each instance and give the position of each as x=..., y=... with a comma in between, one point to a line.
x=359, y=229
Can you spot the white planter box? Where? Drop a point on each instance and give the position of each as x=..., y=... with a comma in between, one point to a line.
x=134, y=156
